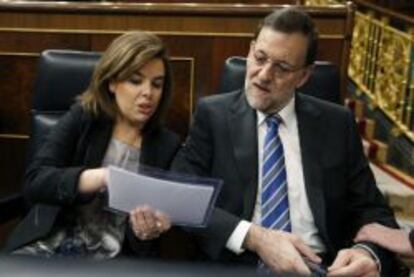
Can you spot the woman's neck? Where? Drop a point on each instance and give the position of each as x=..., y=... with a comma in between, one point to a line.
x=127, y=133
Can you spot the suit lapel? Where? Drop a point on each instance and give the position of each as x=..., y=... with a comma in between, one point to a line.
x=309, y=131
x=149, y=148
x=243, y=131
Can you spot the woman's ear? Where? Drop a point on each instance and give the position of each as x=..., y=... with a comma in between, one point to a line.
x=112, y=86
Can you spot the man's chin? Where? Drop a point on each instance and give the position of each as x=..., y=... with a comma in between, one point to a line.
x=261, y=106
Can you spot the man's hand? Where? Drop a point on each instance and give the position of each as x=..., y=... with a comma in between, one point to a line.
x=282, y=252
x=353, y=262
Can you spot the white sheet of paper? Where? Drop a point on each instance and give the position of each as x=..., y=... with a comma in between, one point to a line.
x=184, y=203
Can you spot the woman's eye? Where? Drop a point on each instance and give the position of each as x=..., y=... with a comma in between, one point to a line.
x=158, y=84
x=135, y=81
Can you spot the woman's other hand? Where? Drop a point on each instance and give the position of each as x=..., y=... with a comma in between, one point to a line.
x=147, y=223
x=395, y=240
x=93, y=180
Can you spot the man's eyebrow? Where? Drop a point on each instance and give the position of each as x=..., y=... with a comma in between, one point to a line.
x=281, y=62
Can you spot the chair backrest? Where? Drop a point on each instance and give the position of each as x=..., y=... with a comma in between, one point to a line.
x=324, y=82
x=61, y=76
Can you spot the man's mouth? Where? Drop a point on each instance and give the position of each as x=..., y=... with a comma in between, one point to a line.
x=261, y=87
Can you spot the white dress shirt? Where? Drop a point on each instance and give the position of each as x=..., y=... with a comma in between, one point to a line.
x=301, y=216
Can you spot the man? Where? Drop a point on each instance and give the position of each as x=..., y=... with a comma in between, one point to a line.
x=287, y=160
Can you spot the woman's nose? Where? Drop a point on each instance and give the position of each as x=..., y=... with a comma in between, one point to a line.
x=146, y=89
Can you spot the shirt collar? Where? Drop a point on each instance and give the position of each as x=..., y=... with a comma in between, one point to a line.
x=287, y=114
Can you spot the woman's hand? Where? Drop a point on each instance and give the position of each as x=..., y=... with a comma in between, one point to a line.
x=93, y=180
x=147, y=223
x=395, y=240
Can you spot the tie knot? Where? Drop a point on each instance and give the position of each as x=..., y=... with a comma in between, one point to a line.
x=273, y=121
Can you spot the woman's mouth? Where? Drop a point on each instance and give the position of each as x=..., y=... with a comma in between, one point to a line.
x=145, y=108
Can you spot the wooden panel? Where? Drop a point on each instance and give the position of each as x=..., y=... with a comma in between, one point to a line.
x=209, y=54
x=35, y=42
x=325, y=51
x=179, y=113
x=16, y=81
x=161, y=23
x=219, y=18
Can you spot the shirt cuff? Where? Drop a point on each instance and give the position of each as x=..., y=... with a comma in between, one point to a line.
x=236, y=239
x=370, y=251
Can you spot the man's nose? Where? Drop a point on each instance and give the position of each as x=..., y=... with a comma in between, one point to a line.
x=266, y=72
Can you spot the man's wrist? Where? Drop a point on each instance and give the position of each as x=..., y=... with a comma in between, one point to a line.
x=252, y=238
x=371, y=253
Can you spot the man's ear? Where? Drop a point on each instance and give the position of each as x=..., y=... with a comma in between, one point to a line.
x=306, y=73
x=250, y=52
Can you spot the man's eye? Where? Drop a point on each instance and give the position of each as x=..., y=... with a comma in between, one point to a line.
x=283, y=68
x=260, y=59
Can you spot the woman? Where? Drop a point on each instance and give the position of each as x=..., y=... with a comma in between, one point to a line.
x=116, y=121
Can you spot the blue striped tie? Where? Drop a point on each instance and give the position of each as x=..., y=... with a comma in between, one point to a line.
x=274, y=198
x=275, y=202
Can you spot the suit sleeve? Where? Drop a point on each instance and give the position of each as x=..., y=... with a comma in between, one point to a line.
x=196, y=158
x=365, y=202
x=50, y=178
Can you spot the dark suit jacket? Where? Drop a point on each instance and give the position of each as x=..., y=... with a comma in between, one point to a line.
x=79, y=141
x=339, y=183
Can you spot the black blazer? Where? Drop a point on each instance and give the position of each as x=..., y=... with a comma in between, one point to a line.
x=340, y=186
x=77, y=142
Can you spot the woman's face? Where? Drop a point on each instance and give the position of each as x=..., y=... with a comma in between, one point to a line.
x=138, y=97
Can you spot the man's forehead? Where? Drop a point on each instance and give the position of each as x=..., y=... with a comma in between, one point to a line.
x=270, y=40
x=268, y=33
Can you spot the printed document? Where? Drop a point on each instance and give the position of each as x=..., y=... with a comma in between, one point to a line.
x=185, y=203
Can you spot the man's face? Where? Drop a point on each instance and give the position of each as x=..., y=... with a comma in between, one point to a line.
x=275, y=68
